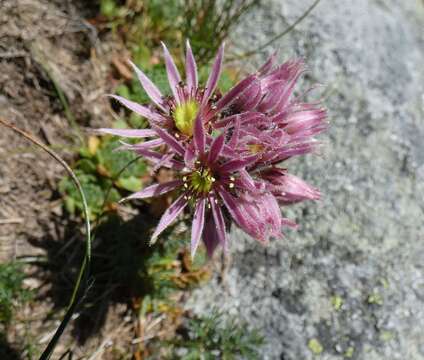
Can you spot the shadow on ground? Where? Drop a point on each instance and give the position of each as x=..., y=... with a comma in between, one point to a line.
x=121, y=267
x=7, y=352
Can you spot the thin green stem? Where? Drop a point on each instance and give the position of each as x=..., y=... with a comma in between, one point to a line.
x=84, y=269
x=278, y=36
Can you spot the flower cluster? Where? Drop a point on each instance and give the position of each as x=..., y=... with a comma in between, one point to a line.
x=226, y=149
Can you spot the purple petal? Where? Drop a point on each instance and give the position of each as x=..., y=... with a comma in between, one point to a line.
x=214, y=75
x=275, y=92
x=189, y=156
x=216, y=148
x=293, y=189
x=197, y=225
x=245, y=117
x=139, y=109
x=265, y=68
x=174, y=77
x=236, y=134
x=169, y=216
x=156, y=158
x=271, y=214
x=129, y=133
x=289, y=223
x=245, y=181
x=143, y=145
x=219, y=223
x=155, y=190
x=234, y=165
x=235, y=92
x=170, y=140
x=152, y=91
x=199, y=136
x=240, y=212
x=210, y=236
x=250, y=98
x=191, y=69
x=167, y=158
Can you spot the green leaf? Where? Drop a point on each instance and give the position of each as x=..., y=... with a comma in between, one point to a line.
x=131, y=183
x=70, y=204
x=123, y=90
x=86, y=165
x=108, y=8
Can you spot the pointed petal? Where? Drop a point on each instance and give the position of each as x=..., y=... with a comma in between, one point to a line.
x=235, y=165
x=293, y=189
x=210, y=236
x=245, y=181
x=156, y=158
x=152, y=91
x=173, y=143
x=271, y=214
x=189, y=156
x=191, y=69
x=236, y=134
x=154, y=190
x=289, y=223
x=216, y=148
x=240, y=211
x=220, y=224
x=250, y=98
x=265, y=68
x=235, y=92
x=129, y=133
x=143, y=145
x=169, y=216
x=174, y=77
x=214, y=75
x=139, y=109
x=168, y=158
x=197, y=225
x=199, y=136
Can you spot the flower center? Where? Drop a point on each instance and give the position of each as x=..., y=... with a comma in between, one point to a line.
x=256, y=148
x=200, y=181
x=184, y=116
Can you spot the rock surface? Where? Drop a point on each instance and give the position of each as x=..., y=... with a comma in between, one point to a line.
x=349, y=284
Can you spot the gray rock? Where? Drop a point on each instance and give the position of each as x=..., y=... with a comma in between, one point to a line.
x=351, y=280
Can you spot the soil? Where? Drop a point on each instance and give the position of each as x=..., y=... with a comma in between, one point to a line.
x=46, y=45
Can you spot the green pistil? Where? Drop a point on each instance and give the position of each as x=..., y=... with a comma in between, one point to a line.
x=184, y=116
x=200, y=181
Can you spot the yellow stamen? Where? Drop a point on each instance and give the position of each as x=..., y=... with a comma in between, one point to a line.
x=184, y=116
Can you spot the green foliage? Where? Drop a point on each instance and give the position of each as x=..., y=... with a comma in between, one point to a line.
x=136, y=93
x=212, y=337
x=206, y=23
x=99, y=169
x=12, y=294
x=167, y=269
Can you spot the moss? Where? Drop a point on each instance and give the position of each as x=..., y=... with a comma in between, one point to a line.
x=315, y=346
x=375, y=298
x=349, y=352
x=386, y=335
x=337, y=302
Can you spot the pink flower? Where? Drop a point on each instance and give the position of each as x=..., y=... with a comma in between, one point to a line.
x=209, y=181
x=176, y=113
x=232, y=176
x=271, y=120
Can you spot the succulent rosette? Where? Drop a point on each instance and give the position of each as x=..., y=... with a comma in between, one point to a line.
x=226, y=150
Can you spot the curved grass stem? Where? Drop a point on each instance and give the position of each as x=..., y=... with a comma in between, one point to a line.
x=278, y=36
x=84, y=269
